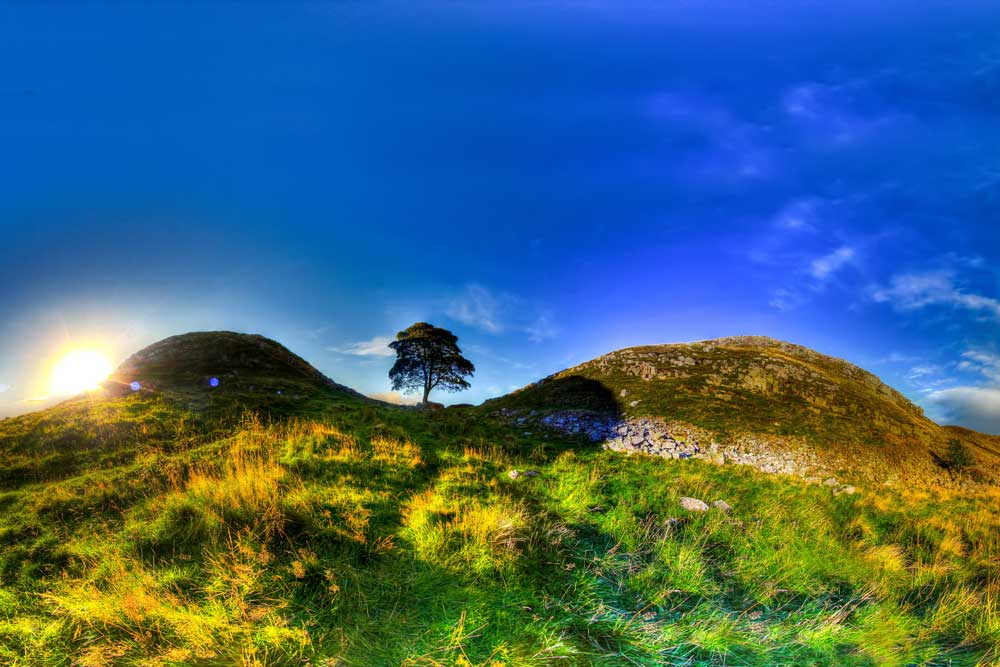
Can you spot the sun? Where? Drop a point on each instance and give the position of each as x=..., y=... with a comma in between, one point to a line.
x=79, y=370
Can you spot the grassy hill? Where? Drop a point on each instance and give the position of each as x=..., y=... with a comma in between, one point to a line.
x=779, y=393
x=178, y=526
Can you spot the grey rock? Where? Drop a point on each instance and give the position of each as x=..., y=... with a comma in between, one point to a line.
x=722, y=506
x=693, y=504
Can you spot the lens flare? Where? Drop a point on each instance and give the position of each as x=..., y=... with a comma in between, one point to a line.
x=79, y=370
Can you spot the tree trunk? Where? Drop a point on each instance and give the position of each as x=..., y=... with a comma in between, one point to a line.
x=427, y=391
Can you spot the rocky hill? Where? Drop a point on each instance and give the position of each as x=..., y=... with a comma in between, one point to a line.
x=750, y=399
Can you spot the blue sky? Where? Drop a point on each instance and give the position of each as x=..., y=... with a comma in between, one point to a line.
x=549, y=180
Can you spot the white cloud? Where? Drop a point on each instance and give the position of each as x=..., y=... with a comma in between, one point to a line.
x=478, y=307
x=985, y=363
x=784, y=298
x=974, y=407
x=918, y=372
x=4, y=388
x=496, y=313
x=376, y=347
x=823, y=267
x=913, y=291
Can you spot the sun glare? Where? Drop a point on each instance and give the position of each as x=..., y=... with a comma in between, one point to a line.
x=79, y=370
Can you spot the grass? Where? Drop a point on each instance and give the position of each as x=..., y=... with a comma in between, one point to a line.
x=355, y=534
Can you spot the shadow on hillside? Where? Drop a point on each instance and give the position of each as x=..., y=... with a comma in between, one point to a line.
x=573, y=392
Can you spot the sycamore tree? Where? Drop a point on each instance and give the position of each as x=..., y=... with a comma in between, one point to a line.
x=428, y=357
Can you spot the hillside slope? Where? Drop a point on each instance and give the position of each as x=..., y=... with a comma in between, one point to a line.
x=222, y=363
x=171, y=526
x=757, y=393
x=171, y=404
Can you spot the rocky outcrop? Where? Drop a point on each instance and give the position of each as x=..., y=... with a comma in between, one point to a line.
x=675, y=440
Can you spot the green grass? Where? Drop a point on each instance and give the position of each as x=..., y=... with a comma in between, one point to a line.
x=348, y=533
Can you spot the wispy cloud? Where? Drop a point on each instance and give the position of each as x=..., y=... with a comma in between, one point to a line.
x=913, y=291
x=799, y=215
x=835, y=115
x=897, y=358
x=731, y=150
x=374, y=347
x=986, y=364
x=786, y=298
x=823, y=267
x=542, y=328
x=478, y=307
x=497, y=312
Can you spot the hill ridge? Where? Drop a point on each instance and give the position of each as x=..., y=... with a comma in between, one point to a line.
x=755, y=392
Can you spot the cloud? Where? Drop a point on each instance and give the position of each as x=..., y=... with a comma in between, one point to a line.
x=984, y=363
x=541, y=329
x=786, y=298
x=724, y=149
x=478, y=307
x=974, y=407
x=897, y=358
x=375, y=347
x=4, y=388
x=823, y=267
x=395, y=398
x=496, y=313
x=837, y=115
x=799, y=215
x=914, y=291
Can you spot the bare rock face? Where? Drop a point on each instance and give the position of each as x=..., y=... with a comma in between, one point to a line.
x=431, y=405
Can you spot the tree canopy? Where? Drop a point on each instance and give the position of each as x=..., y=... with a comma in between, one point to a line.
x=428, y=357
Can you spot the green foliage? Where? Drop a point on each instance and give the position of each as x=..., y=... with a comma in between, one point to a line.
x=428, y=357
x=958, y=456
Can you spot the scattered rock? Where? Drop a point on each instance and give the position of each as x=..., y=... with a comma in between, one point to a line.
x=846, y=490
x=623, y=393
x=667, y=439
x=531, y=473
x=693, y=504
x=633, y=403
x=516, y=474
x=830, y=481
x=430, y=405
x=722, y=506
